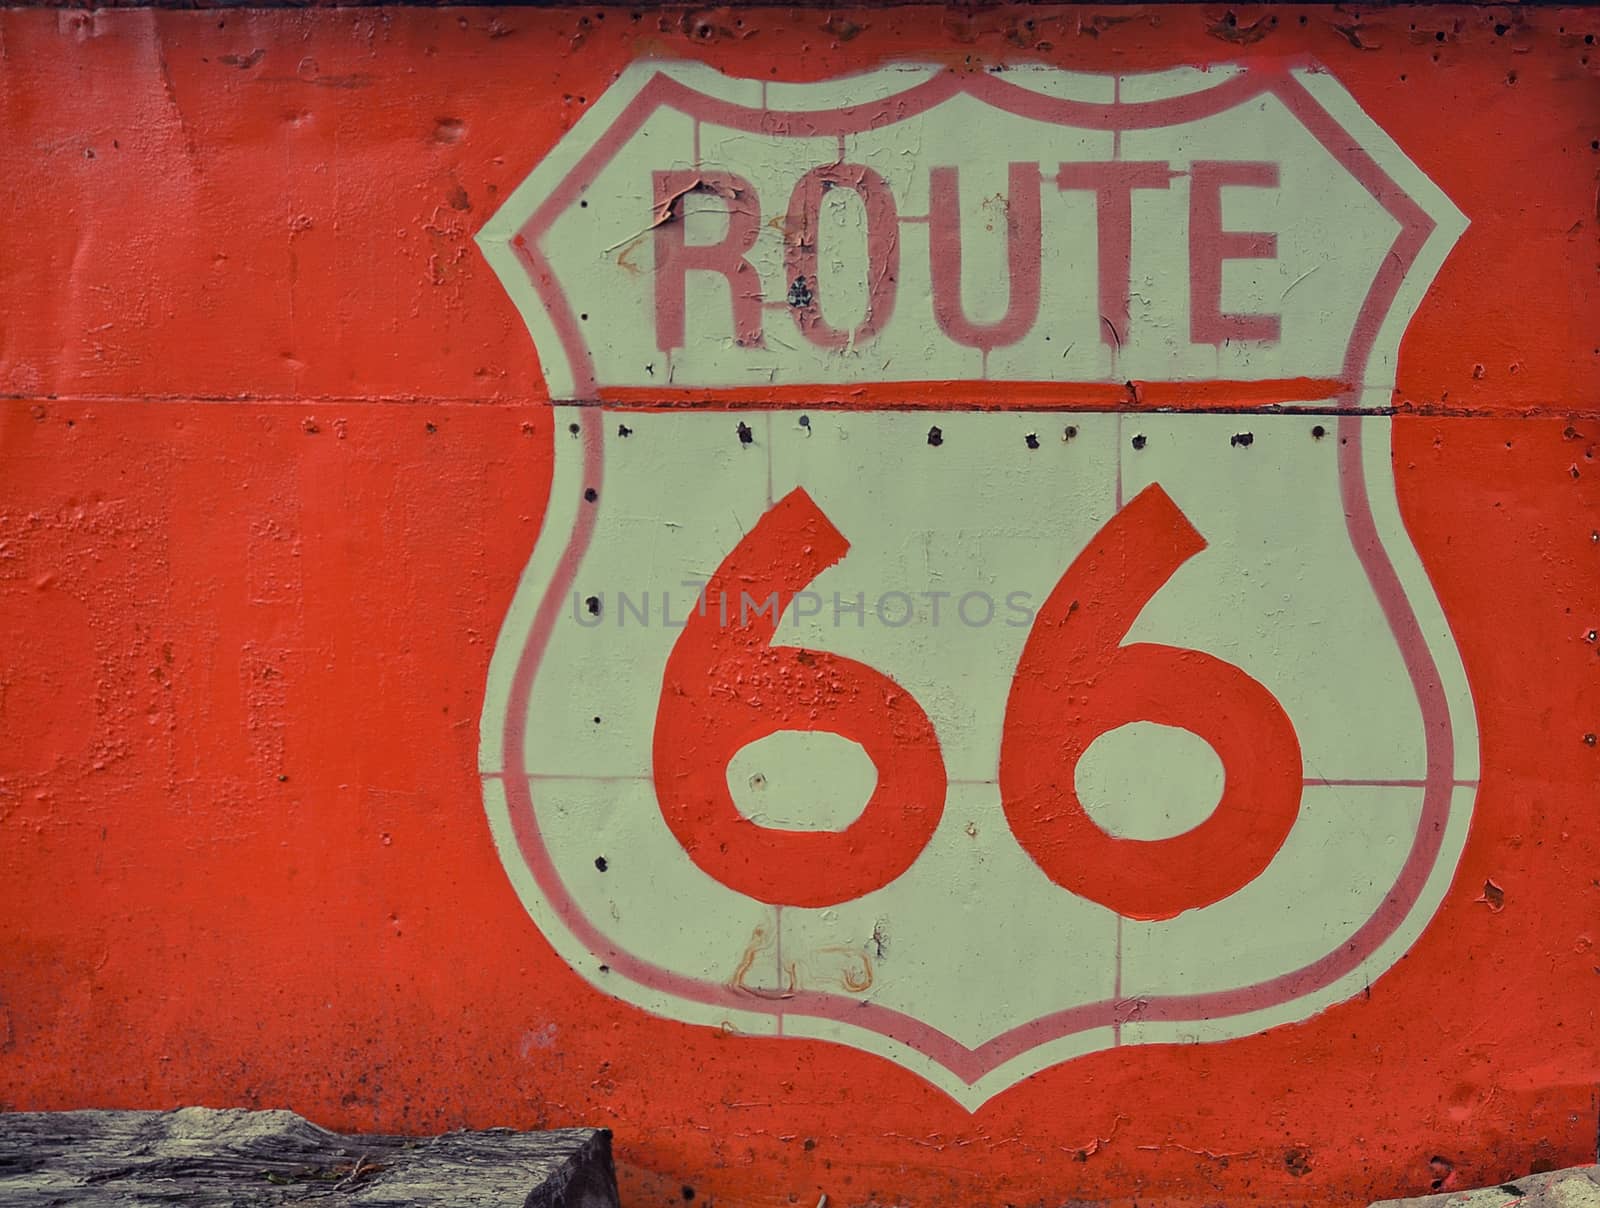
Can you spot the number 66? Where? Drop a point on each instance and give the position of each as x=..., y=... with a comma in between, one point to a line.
x=725, y=685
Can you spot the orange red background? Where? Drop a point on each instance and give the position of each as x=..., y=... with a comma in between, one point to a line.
x=273, y=452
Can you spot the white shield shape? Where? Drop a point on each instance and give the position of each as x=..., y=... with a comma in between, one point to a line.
x=978, y=659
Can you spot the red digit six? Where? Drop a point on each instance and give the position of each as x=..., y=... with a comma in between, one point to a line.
x=1075, y=681
x=725, y=685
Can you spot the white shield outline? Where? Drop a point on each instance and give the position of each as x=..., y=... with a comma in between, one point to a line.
x=1429, y=226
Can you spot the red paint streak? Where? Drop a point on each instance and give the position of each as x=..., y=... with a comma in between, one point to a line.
x=986, y=396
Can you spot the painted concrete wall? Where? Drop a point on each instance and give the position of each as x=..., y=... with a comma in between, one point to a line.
x=900, y=605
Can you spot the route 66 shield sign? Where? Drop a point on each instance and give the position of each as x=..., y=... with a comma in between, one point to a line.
x=972, y=621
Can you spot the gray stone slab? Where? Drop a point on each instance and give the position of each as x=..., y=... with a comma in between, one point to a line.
x=1578, y=1187
x=265, y=1159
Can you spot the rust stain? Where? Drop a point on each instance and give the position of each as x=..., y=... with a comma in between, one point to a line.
x=853, y=968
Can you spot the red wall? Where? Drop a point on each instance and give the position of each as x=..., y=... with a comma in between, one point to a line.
x=274, y=451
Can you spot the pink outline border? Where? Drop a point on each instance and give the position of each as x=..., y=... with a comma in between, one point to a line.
x=972, y=1064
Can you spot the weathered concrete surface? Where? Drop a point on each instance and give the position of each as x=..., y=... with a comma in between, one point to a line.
x=277, y=446
x=198, y=1155
x=1574, y=1188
